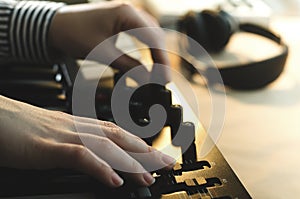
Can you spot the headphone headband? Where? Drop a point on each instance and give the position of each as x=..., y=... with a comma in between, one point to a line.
x=246, y=76
x=257, y=74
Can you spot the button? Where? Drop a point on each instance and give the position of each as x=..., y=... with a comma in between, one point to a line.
x=200, y=180
x=190, y=182
x=177, y=167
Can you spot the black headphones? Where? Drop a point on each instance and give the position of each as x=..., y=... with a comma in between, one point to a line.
x=213, y=29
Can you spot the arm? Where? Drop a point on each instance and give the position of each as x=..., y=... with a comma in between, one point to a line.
x=24, y=29
x=32, y=137
x=38, y=31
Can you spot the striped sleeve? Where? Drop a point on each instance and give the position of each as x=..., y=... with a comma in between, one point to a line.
x=24, y=29
x=6, y=9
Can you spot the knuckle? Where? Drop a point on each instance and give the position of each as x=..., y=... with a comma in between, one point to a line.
x=62, y=118
x=126, y=6
x=117, y=134
x=109, y=124
x=61, y=115
x=77, y=152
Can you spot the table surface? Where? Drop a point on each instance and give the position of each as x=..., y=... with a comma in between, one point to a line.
x=261, y=133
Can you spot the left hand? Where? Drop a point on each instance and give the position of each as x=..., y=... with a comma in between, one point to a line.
x=36, y=138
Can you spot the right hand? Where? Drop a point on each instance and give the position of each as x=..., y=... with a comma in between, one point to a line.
x=36, y=138
x=77, y=29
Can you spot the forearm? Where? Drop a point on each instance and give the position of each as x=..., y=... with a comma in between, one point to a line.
x=24, y=29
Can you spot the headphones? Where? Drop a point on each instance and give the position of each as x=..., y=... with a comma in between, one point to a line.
x=213, y=29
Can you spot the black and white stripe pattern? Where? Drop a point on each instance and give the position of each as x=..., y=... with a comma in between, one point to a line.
x=6, y=8
x=24, y=29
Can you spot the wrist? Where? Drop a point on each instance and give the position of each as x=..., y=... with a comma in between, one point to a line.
x=65, y=32
x=55, y=33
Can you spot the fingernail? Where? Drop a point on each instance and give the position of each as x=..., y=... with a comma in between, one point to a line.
x=168, y=160
x=117, y=180
x=148, y=178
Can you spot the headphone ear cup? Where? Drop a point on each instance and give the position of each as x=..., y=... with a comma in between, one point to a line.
x=212, y=30
x=193, y=26
x=218, y=29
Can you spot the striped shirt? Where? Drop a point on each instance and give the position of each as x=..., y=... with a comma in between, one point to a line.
x=24, y=29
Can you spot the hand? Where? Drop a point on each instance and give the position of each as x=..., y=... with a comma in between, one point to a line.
x=77, y=29
x=36, y=138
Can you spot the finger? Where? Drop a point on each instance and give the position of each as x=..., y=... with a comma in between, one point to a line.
x=90, y=125
x=149, y=18
x=108, y=151
x=154, y=160
x=122, y=138
x=117, y=59
x=161, y=71
x=106, y=129
x=117, y=158
x=154, y=37
x=125, y=63
x=80, y=158
x=135, y=146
